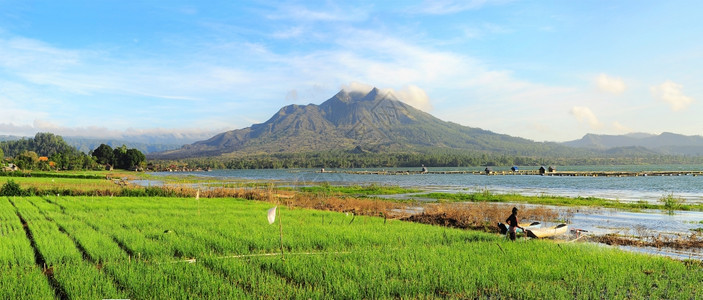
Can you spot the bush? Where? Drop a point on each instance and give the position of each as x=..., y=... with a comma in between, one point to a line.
x=671, y=202
x=11, y=188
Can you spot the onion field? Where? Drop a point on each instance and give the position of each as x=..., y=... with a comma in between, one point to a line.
x=225, y=248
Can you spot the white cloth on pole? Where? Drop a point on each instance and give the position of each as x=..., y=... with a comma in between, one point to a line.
x=272, y=215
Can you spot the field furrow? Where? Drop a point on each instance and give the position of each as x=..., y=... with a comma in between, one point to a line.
x=71, y=276
x=22, y=276
x=180, y=248
x=39, y=258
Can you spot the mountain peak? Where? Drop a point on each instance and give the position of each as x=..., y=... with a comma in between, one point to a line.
x=372, y=95
x=376, y=94
x=640, y=135
x=371, y=120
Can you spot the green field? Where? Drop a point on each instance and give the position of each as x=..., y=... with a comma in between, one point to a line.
x=224, y=248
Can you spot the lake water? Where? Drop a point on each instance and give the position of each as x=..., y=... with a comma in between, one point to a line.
x=649, y=188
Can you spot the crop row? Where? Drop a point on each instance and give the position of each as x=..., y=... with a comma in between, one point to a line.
x=102, y=247
x=21, y=277
x=135, y=276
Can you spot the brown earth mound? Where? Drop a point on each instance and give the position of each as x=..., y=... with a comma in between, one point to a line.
x=689, y=242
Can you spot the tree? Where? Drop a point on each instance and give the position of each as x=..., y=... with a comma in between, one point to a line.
x=104, y=154
x=120, y=156
x=125, y=158
x=2, y=156
x=134, y=157
x=27, y=160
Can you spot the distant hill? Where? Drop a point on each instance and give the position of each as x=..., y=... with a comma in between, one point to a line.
x=665, y=143
x=10, y=138
x=88, y=144
x=43, y=144
x=144, y=143
x=351, y=121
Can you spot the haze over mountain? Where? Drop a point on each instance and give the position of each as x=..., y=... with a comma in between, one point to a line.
x=356, y=121
x=665, y=143
x=146, y=143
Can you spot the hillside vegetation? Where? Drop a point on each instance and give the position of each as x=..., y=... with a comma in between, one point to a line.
x=373, y=122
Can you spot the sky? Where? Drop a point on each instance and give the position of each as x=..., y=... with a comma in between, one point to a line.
x=541, y=70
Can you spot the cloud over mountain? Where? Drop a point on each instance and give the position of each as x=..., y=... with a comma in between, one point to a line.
x=670, y=92
x=585, y=116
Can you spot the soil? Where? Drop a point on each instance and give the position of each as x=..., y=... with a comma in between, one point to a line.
x=691, y=242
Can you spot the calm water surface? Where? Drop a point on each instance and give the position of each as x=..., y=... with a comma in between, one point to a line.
x=649, y=188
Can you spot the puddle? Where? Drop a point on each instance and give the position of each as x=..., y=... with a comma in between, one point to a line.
x=642, y=224
x=147, y=182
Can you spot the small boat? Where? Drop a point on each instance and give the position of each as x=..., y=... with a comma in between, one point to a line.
x=504, y=228
x=547, y=232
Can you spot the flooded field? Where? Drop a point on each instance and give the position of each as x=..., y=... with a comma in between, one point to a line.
x=640, y=188
x=647, y=226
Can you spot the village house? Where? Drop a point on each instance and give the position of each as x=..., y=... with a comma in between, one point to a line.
x=10, y=168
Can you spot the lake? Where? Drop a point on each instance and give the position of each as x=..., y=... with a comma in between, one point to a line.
x=649, y=188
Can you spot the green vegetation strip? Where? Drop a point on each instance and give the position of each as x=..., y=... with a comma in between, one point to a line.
x=668, y=202
x=75, y=175
x=139, y=248
x=358, y=190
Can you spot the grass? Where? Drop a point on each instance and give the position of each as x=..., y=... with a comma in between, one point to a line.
x=366, y=190
x=134, y=247
x=671, y=202
x=62, y=185
x=668, y=201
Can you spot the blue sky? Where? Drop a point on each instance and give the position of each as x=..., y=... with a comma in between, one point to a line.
x=543, y=70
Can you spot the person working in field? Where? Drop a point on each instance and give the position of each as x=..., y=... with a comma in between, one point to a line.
x=512, y=223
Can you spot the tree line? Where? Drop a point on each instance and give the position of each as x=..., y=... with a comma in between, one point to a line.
x=347, y=159
x=47, y=151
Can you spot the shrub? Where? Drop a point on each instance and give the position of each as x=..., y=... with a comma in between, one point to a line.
x=11, y=188
x=671, y=202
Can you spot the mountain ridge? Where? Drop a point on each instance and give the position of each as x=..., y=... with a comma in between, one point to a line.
x=374, y=121
x=664, y=143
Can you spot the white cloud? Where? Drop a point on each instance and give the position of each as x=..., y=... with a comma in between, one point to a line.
x=670, y=92
x=327, y=14
x=484, y=29
x=18, y=130
x=357, y=87
x=621, y=128
x=444, y=7
x=410, y=94
x=16, y=53
x=262, y=73
x=289, y=33
x=414, y=96
x=103, y=132
x=585, y=115
x=610, y=84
